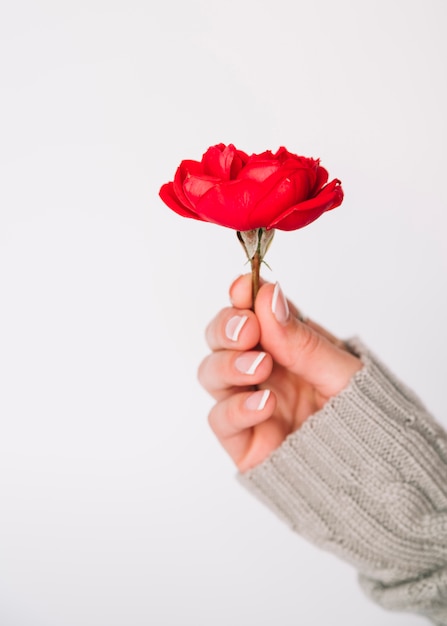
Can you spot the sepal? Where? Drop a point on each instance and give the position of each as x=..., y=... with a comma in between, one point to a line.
x=256, y=241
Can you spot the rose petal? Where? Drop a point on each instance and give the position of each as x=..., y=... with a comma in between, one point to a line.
x=267, y=155
x=243, y=155
x=321, y=179
x=239, y=161
x=338, y=195
x=299, y=218
x=284, y=193
x=231, y=204
x=282, y=153
x=306, y=212
x=247, y=204
x=185, y=169
x=259, y=170
x=217, y=161
x=197, y=186
x=169, y=197
x=286, y=157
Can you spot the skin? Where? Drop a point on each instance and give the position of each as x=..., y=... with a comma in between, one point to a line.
x=304, y=366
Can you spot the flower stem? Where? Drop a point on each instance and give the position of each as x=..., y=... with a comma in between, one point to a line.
x=255, y=262
x=255, y=243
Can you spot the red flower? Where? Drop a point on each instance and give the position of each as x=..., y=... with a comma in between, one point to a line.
x=230, y=188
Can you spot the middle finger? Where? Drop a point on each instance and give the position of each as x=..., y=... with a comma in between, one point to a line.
x=220, y=372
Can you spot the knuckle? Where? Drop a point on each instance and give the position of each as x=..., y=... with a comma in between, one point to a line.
x=202, y=372
x=307, y=342
x=212, y=423
x=224, y=419
x=232, y=417
x=210, y=332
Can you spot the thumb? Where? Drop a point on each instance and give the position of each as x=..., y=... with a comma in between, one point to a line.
x=300, y=348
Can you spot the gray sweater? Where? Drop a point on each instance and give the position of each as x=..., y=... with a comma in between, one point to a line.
x=366, y=478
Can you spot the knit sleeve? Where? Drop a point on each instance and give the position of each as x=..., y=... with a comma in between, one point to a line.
x=366, y=478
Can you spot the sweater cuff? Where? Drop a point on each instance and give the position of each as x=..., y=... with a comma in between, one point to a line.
x=365, y=478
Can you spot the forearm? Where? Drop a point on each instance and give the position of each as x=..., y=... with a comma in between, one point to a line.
x=366, y=478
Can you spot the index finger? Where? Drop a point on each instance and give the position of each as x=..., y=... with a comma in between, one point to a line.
x=234, y=329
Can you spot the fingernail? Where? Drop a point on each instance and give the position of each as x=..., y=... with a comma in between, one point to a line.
x=280, y=308
x=248, y=362
x=257, y=400
x=234, y=326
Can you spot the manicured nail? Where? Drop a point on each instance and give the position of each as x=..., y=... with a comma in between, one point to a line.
x=280, y=308
x=248, y=362
x=257, y=400
x=234, y=326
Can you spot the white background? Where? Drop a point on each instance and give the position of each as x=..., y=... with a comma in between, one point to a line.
x=117, y=506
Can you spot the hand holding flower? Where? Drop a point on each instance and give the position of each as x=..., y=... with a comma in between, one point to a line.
x=295, y=366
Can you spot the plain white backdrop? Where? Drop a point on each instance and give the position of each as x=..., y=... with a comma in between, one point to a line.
x=117, y=506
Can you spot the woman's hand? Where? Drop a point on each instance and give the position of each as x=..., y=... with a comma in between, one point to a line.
x=268, y=371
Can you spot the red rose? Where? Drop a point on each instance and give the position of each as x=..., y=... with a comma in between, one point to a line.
x=230, y=188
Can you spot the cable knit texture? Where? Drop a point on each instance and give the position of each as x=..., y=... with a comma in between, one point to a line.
x=366, y=478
